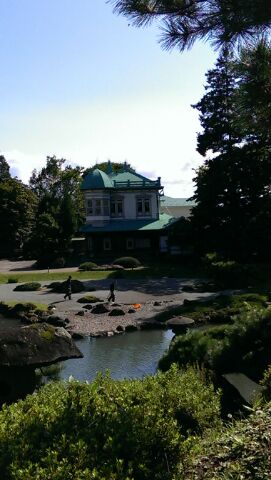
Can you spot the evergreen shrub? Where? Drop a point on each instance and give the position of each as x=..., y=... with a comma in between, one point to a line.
x=28, y=287
x=89, y=299
x=87, y=266
x=127, y=262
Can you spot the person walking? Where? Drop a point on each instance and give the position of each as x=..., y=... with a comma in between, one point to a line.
x=112, y=292
x=68, y=288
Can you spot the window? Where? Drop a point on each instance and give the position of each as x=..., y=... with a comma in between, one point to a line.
x=107, y=243
x=97, y=207
x=143, y=207
x=89, y=207
x=116, y=207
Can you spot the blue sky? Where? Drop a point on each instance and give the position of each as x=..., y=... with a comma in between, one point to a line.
x=80, y=82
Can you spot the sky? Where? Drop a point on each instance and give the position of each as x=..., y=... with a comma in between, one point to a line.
x=79, y=82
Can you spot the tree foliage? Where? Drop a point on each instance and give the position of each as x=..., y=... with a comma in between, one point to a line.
x=184, y=21
x=18, y=205
x=233, y=196
x=60, y=208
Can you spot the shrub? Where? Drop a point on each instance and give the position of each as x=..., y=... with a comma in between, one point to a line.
x=88, y=299
x=60, y=287
x=110, y=430
x=127, y=262
x=12, y=280
x=86, y=266
x=230, y=274
x=28, y=287
x=241, y=451
x=243, y=346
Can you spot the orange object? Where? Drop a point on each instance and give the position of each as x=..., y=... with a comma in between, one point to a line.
x=137, y=305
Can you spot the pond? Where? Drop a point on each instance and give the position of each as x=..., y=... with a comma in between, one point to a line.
x=131, y=355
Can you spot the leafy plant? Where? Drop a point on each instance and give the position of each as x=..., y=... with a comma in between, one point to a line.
x=12, y=280
x=110, y=430
x=127, y=262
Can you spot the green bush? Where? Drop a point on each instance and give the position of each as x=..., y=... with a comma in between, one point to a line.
x=89, y=299
x=127, y=262
x=240, y=451
x=86, y=266
x=229, y=274
x=28, y=287
x=241, y=347
x=12, y=280
x=107, y=430
x=60, y=287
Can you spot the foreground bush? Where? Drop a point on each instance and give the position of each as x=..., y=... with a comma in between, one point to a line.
x=127, y=262
x=242, y=452
x=108, y=430
x=28, y=287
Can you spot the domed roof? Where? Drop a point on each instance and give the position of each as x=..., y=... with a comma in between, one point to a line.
x=97, y=179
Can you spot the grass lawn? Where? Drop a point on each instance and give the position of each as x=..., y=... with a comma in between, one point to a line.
x=39, y=306
x=155, y=270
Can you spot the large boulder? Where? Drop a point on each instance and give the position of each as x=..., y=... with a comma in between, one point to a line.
x=36, y=345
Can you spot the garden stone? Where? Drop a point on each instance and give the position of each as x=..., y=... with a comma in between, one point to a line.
x=115, y=312
x=130, y=328
x=57, y=320
x=99, y=309
x=131, y=310
x=88, y=307
x=120, y=328
x=81, y=313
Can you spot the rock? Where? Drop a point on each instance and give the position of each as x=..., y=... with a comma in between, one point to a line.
x=87, y=307
x=115, y=312
x=130, y=328
x=157, y=304
x=81, y=313
x=110, y=334
x=35, y=345
x=131, y=310
x=120, y=328
x=77, y=335
x=186, y=302
x=57, y=320
x=99, y=309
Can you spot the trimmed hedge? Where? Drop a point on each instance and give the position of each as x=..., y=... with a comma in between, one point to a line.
x=87, y=266
x=60, y=287
x=28, y=287
x=89, y=299
x=127, y=262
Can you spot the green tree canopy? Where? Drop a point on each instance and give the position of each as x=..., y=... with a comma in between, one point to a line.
x=184, y=21
x=233, y=210
x=60, y=209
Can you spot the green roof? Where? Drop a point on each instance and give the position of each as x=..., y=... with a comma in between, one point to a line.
x=96, y=180
x=125, y=179
x=164, y=222
x=176, y=202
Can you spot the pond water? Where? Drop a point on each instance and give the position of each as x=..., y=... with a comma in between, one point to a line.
x=131, y=355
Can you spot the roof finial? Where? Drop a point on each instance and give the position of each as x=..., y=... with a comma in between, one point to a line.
x=109, y=168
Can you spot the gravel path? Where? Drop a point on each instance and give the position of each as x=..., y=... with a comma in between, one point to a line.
x=154, y=296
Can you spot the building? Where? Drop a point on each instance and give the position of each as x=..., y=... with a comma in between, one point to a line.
x=123, y=213
x=176, y=207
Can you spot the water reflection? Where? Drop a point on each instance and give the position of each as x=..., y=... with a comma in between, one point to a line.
x=132, y=355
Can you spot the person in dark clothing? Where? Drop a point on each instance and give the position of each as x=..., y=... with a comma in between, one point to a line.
x=112, y=293
x=68, y=288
